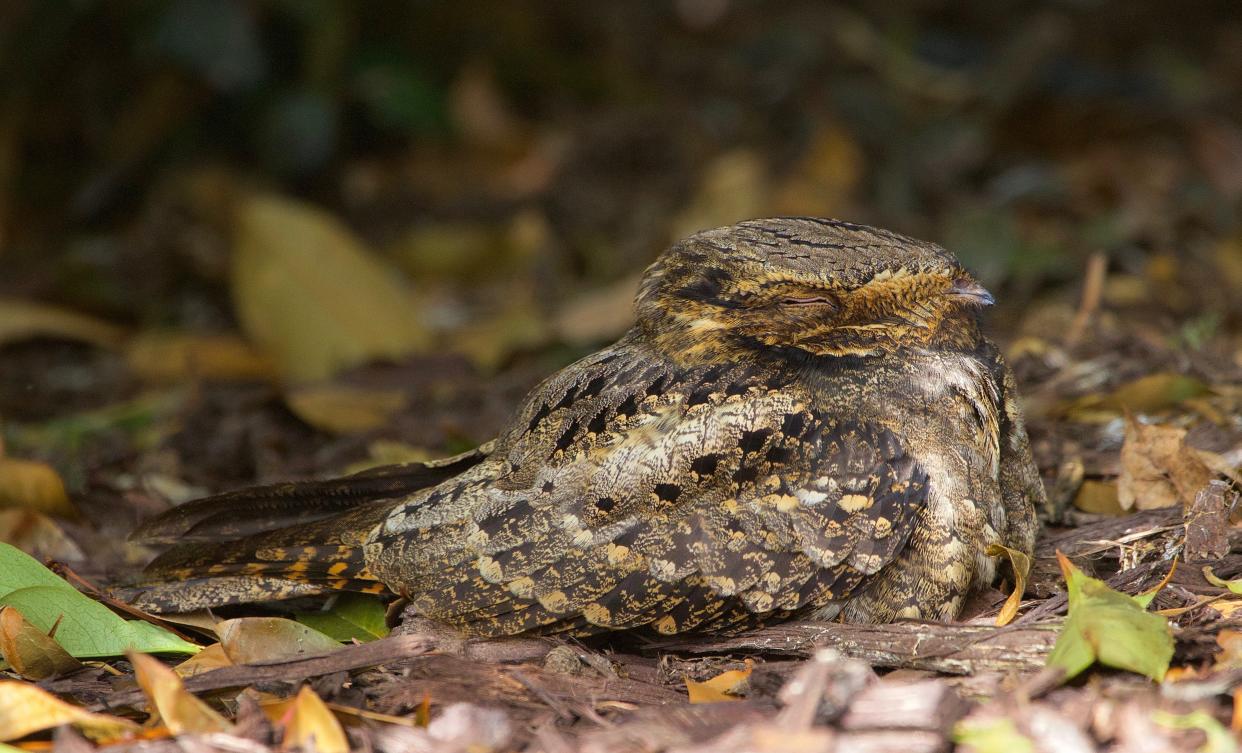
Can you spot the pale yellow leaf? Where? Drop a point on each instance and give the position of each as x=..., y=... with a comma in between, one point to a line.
x=312, y=296
x=171, y=357
x=212, y=657
x=1020, y=562
x=341, y=409
x=726, y=686
x=1099, y=497
x=312, y=726
x=33, y=485
x=179, y=709
x=25, y=708
x=22, y=320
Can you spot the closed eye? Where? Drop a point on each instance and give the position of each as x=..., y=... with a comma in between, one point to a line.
x=810, y=300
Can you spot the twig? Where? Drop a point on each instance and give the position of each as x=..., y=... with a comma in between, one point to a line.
x=1092, y=293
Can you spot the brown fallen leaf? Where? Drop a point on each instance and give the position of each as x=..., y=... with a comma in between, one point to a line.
x=38, y=535
x=172, y=357
x=25, y=708
x=249, y=639
x=33, y=485
x=32, y=653
x=312, y=296
x=726, y=686
x=179, y=709
x=311, y=725
x=1158, y=468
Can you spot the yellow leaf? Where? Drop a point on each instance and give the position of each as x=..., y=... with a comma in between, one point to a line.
x=726, y=686
x=32, y=485
x=22, y=320
x=179, y=709
x=1158, y=468
x=25, y=708
x=341, y=409
x=1021, y=564
x=171, y=357
x=1099, y=497
x=312, y=296
x=312, y=726
x=31, y=652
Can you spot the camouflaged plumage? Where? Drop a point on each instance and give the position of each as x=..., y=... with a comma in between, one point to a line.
x=804, y=421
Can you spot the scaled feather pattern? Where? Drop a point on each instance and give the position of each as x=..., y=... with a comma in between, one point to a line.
x=804, y=421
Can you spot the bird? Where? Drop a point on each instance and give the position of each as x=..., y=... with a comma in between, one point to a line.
x=805, y=421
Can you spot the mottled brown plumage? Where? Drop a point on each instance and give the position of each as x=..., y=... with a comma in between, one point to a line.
x=804, y=421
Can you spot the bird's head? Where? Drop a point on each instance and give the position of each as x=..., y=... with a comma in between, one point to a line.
x=824, y=287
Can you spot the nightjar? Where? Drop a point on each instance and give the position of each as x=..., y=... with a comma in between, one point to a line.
x=805, y=421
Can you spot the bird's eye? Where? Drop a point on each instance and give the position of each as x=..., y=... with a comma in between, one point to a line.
x=809, y=300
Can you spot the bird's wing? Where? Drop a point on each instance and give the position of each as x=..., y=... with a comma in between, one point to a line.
x=631, y=493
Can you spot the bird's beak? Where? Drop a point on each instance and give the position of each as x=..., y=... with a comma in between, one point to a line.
x=971, y=291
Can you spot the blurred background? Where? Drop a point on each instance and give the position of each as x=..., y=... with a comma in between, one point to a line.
x=253, y=239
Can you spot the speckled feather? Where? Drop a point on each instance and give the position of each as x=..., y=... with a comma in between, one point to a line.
x=805, y=420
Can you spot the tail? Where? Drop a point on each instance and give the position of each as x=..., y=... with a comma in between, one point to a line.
x=277, y=542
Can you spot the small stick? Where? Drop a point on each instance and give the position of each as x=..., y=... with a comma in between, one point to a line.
x=1092, y=293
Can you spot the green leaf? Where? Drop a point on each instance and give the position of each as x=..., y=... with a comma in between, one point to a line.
x=351, y=617
x=998, y=735
x=1234, y=586
x=86, y=628
x=1109, y=627
x=20, y=570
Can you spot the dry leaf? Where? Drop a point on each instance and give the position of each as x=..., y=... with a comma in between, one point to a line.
x=250, y=639
x=726, y=686
x=311, y=725
x=31, y=652
x=1158, y=469
x=1021, y=564
x=171, y=357
x=312, y=296
x=22, y=320
x=212, y=657
x=179, y=709
x=1099, y=497
x=32, y=485
x=340, y=409
x=38, y=535
x=25, y=708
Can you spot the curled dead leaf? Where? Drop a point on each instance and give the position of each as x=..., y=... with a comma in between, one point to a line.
x=32, y=653
x=726, y=686
x=1158, y=468
x=1020, y=562
x=179, y=709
